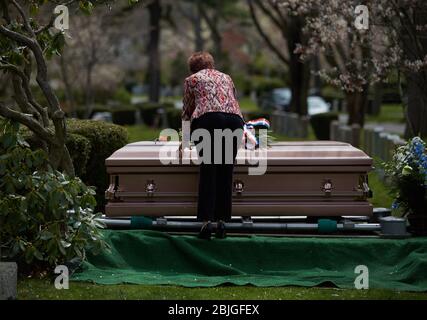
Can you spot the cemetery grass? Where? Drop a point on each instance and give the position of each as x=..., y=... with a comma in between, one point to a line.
x=389, y=113
x=44, y=289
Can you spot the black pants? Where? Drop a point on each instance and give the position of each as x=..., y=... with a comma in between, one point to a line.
x=215, y=180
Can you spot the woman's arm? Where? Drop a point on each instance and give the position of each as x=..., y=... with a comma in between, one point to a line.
x=188, y=102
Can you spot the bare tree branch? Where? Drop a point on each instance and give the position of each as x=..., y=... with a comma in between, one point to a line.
x=28, y=121
x=46, y=27
x=5, y=10
x=266, y=38
x=270, y=14
x=24, y=18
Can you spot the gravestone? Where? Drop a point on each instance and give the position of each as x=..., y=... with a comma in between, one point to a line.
x=355, y=135
x=8, y=280
x=333, y=131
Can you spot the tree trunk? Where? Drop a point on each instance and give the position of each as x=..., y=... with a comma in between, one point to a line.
x=153, y=51
x=415, y=48
x=416, y=110
x=199, y=41
x=67, y=86
x=378, y=99
x=212, y=22
x=356, y=106
x=89, y=91
x=299, y=71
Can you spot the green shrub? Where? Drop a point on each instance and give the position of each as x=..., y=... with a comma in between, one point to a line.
x=89, y=143
x=46, y=218
x=125, y=116
x=78, y=146
x=104, y=138
x=122, y=95
x=148, y=112
x=265, y=84
x=168, y=105
x=174, y=118
x=321, y=124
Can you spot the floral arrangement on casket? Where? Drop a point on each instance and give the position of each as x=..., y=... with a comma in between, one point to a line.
x=407, y=174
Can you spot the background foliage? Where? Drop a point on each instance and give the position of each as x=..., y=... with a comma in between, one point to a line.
x=47, y=218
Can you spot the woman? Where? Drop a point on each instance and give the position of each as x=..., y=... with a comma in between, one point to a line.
x=210, y=103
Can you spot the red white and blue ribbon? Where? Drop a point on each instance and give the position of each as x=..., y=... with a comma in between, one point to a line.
x=259, y=123
x=249, y=131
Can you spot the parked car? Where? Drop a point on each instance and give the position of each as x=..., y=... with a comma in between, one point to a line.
x=280, y=99
x=316, y=104
x=102, y=116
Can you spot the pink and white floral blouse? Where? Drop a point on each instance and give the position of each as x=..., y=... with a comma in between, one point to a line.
x=209, y=90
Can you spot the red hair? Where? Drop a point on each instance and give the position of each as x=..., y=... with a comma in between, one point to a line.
x=200, y=60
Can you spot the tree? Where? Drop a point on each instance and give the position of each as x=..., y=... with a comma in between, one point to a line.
x=290, y=28
x=155, y=12
x=395, y=40
x=89, y=47
x=24, y=42
x=191, y=11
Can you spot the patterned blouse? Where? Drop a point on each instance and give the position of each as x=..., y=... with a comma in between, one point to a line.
x=209, y=90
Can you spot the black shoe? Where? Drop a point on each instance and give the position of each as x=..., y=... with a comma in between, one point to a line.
x=206, y=231
x=220, y=230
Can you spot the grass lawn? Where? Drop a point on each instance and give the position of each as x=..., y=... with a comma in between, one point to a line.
x=142, y=132
x=247, y=104
x=44, y=289
x=388, y=113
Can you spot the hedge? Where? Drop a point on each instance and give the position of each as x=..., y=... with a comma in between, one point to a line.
x=78, y=145
x=125, y=116
x=149, y=111
x=89, y=143
x=104, y=139
x=321, y=124
x=174, y=118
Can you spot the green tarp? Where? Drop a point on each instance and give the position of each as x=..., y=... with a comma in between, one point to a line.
x=151, y=257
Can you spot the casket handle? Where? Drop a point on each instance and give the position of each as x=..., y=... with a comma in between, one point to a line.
x=150, y=187
x=327, y=187
x=239, y=186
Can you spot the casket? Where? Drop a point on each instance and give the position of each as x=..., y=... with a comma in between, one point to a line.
x=319, y=178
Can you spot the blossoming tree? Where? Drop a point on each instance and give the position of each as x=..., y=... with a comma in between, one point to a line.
x=355, y=57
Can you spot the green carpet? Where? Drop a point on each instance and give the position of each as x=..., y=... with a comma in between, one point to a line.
x=151, y=257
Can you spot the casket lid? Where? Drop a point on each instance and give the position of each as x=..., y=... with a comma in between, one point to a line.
x=149, y=153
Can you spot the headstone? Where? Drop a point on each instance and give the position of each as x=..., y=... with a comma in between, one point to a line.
x=333, y=133
x=294, y=128
x=383, y=145
x=8, y=280
x=304, y=124
x=367, y=140
x=355, y=135
x=376, y=143
x=346, y=134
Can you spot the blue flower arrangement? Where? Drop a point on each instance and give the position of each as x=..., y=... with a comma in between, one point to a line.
x=407, y=174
